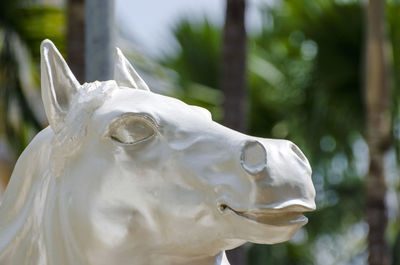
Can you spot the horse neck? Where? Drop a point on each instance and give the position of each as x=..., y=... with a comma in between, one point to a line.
x=145, y=258
x=22, y=205
x=217, y=260
x=220, y=259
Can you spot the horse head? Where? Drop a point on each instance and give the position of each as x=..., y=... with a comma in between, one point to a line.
x=140, y=178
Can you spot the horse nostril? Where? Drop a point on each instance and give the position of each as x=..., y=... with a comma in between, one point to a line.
x=253, y=157
x=298, y=152
x=222, y=208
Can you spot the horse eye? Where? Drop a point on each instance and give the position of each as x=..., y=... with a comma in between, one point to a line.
x=131, y=130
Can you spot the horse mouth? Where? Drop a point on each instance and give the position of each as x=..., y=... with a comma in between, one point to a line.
x=281, y=217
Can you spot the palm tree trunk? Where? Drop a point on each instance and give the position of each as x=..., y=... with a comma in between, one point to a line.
x=234, y=66
x=234, y=82
x=378, y=131
x=76, y=38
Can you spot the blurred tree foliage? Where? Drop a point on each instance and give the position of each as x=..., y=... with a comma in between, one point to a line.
x=23, y=26
x=198, y=64
x=305, y=78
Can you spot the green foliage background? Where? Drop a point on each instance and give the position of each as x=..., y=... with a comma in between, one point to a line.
x=23, y=26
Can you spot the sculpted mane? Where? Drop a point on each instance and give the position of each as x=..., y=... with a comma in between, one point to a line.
x=68, y=138
x=24, y=206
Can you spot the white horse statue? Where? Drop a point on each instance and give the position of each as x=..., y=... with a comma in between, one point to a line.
x=126, y=176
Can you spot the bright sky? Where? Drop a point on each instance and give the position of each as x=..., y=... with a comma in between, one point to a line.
x=150, y=22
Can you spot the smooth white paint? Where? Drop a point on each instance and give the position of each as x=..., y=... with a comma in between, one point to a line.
x=126, y=176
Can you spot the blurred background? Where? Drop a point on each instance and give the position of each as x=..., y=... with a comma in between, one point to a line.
x=322, y=73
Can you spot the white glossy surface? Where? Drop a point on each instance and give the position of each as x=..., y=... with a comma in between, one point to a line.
x=126, y=176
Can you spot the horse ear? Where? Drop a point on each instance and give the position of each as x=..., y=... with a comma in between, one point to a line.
x=58, y=85
x=125, y=74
